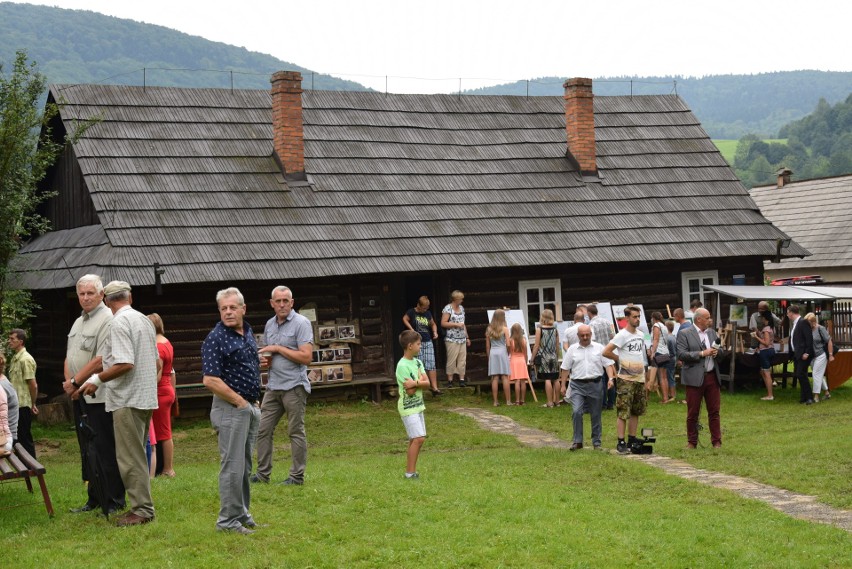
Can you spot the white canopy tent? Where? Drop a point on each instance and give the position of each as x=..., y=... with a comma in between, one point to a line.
x=780, y=292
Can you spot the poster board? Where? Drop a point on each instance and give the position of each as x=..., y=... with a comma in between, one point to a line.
x=515, y=317
x=621, y=320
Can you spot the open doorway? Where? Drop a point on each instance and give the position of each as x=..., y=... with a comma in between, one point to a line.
x=411, y=289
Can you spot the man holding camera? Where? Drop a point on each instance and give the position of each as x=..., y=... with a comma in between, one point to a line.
x=698, y=348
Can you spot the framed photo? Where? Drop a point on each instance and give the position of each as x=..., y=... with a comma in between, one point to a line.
x=326, y=355
x=345, y=332
x=327, y=333
x=342, y=354
x=334, y=373
x=315, y=375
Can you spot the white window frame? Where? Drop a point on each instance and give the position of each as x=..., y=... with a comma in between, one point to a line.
x=703, y=294
x=524, y=286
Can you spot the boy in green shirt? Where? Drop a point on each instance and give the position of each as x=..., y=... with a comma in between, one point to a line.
x=410, y=378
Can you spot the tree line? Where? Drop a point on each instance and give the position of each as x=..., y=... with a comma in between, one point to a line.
x=818, y=145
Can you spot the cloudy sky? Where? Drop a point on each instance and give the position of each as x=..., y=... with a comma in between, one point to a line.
x=427, y=46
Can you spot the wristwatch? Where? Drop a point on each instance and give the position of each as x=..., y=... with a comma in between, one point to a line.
x=73, y=383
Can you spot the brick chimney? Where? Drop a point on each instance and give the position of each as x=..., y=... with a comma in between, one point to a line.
x=580, y=123
x=288, y=134
x=783, y=177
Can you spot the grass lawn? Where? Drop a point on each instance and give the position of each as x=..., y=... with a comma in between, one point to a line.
x=728, y=147
x=482, y=500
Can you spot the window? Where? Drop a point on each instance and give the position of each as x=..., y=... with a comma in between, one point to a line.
x=692, y=288
x=535, y=296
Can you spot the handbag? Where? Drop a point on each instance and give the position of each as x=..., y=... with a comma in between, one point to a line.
x=537, y=360
x=661, y=359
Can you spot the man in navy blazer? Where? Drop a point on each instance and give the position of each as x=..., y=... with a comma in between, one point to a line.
x=700, y=376
x=802, y=346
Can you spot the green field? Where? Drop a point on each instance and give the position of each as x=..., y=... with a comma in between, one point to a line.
x=728, y=148
x=483, y=500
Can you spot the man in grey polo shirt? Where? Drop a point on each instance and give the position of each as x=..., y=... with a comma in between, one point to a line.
x=130, y=378
x=289, y=340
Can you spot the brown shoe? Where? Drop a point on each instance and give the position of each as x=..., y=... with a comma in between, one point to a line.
x=690, y=446
x=132, y=519
x=576, y=446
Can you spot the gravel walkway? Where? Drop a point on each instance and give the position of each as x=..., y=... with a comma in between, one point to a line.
x=795, y=505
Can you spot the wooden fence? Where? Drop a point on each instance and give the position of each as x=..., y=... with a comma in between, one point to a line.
x=841, y=324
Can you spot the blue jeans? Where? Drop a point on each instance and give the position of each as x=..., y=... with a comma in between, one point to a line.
x=237, y=429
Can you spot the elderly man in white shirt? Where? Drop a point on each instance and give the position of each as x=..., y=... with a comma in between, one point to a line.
x=584, y=365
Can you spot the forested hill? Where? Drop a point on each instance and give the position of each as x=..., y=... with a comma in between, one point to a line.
x=78, y=46
x=729, y=106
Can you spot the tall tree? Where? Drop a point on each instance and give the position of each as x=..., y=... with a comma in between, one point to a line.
x=27, y=150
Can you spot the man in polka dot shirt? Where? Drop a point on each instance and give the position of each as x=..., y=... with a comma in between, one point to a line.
x=231, y=369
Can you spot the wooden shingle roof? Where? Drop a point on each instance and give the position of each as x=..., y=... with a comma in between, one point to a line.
x=398, y=183
x=817, y=214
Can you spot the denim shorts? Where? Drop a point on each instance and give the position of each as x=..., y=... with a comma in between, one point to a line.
x=765, y=357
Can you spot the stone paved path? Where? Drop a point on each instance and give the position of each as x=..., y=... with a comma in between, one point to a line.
x=795, y=505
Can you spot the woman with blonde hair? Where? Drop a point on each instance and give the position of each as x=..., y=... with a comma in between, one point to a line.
x=496, y=341
x=544, y=356
x=823, y=348
x=456, y=340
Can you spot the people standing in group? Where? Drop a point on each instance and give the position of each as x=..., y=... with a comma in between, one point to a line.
x=8, y=411
x=166, y=397
x=698, y=350
x=764, y=336
x=659, y=356
x=823, y=348
x=289, y=340
x=22, y=375
x=87, y=344
x=230, y=365
x=420, y=320
x=130, y=371
x=411, y=379
x=11, y=398
x=627, y=350
x=496, y=341
x=519, y=373
x=545, y=358
x=456, y=339
x=584, y=366
x=602, y=332
x=802, y=347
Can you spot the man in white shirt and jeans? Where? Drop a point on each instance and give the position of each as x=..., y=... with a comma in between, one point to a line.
x=584, y=365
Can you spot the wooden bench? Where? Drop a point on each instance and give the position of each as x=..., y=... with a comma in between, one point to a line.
x=21, y=466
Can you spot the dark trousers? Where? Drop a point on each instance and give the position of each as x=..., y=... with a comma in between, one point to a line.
x=710, y=391
x=104, y=442
x=25, y=425
x=607, y=395
x=800, y=372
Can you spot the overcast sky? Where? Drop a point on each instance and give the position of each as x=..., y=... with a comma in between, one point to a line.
x=499, y=41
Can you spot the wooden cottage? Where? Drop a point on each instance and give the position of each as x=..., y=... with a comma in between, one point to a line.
x=361, y=202
x=817, y=214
